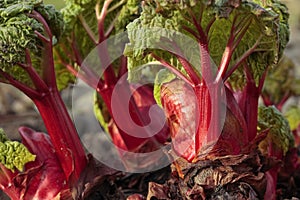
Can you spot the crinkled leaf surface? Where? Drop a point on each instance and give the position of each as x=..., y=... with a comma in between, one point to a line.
x=17, y=33
x=267, y=20
x=13, y=155
x=42, y=178
x=279, y=130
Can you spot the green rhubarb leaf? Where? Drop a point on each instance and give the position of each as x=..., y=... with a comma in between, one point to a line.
x=279, y=132
x=271, y=21
x=54, y=19
x=80, y=18
x=166, y=18
x=129, y=12
x=17, y=33
x=13, y=154
x=82, y=31
x=158, y=21
x=293, y=116
x=75, y=14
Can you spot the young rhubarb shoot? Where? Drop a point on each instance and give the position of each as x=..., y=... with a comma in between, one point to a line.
x=14, y=155
x=31, y=169
x=29, y=30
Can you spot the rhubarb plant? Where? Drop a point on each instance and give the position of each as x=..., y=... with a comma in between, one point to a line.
x=278, y=90
x=238, y=42
x=278, y=94
x=29, y=31
x=243, y=39
x=92, y=23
